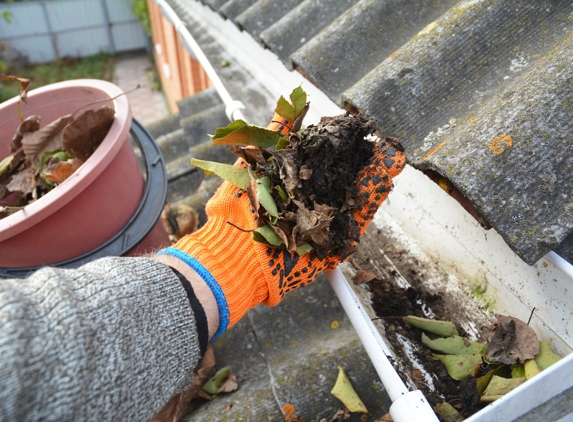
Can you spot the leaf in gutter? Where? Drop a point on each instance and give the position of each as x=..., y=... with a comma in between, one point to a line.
x=344, y=392
x=498, y=387
x=454, y=345
x=238, y=176
x=441, y=328
x=531, y=369
x=241, y=133
x=448, y=413
x=546, y=357
x=267, y=236
x=511, y=341
x=212, y=386
x=460, y=366
x=518, y=371
x=364, y=276
x=483, y=381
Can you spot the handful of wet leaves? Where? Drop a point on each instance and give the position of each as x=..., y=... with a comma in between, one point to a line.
x=301, y=184
x=41, y=158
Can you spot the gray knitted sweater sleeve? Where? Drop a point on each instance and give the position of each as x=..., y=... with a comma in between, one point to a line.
x=112, y=340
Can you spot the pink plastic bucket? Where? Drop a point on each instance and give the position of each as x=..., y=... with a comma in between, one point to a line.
x=94, y=203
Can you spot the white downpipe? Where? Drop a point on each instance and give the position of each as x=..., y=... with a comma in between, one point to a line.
x=232, y=107
x=407, y=406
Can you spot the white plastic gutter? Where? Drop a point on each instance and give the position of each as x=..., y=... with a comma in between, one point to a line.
x=232, y=107
x=406, y=405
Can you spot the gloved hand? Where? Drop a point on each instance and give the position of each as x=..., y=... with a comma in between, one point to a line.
x=243, y=273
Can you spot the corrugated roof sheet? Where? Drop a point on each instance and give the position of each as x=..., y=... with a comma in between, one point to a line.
x=478, y=91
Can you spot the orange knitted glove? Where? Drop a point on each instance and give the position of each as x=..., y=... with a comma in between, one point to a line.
x=243, y=273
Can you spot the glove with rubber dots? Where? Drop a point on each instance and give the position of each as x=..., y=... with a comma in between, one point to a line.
x=243, y=273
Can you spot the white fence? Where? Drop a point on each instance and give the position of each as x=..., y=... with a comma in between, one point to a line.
x=46, y=30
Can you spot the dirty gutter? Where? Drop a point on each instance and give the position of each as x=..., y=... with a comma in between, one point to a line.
x=437, y=224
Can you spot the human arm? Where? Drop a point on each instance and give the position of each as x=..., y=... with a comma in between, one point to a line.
x=112, y=340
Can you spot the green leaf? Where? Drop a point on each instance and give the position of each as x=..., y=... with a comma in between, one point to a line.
x=518, y=371
x=212, y=386
x=241, y=133
x=545, y=358
x=5, y=164
x=298, y=100
x=460, y=366
x=483, y=381
x=286, y=110
x=304, y=248
x=530, y=368
x=344, y=392
x=448, y=413
x=230, y=128
x=238, y=176
x=441, y=328
x=61, y=154
x=267, y=236
x=499, y=386
x=282, y=143
x=265, y=198
x=454, y=345
x=282, y=194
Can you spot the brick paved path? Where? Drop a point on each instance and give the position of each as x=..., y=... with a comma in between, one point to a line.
x=146, y=104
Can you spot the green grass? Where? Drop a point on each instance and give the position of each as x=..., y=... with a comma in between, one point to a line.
x=99, y=66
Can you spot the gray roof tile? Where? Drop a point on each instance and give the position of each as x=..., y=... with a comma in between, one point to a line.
x=301, y=24
x=263, y=14
x=234, y=8
x=360, y=39
x=454, y=81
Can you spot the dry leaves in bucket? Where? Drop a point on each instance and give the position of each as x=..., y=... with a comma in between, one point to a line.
x=41, y=158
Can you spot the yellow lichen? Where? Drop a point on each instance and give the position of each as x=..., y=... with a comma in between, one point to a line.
x=499, y=144
x=432, y=152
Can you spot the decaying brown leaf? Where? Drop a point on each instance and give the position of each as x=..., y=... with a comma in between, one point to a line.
x=341, y=415
x=23, y=82
x=229, y=385
x=57, y=171
x=49, y=138
x=31, y=145
x=178, y=404
x=23, y=181
x=364, y=276
x=168, y=223
x=187, y=220
x=511, y=340
x=82, y=136
x=30, y=124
